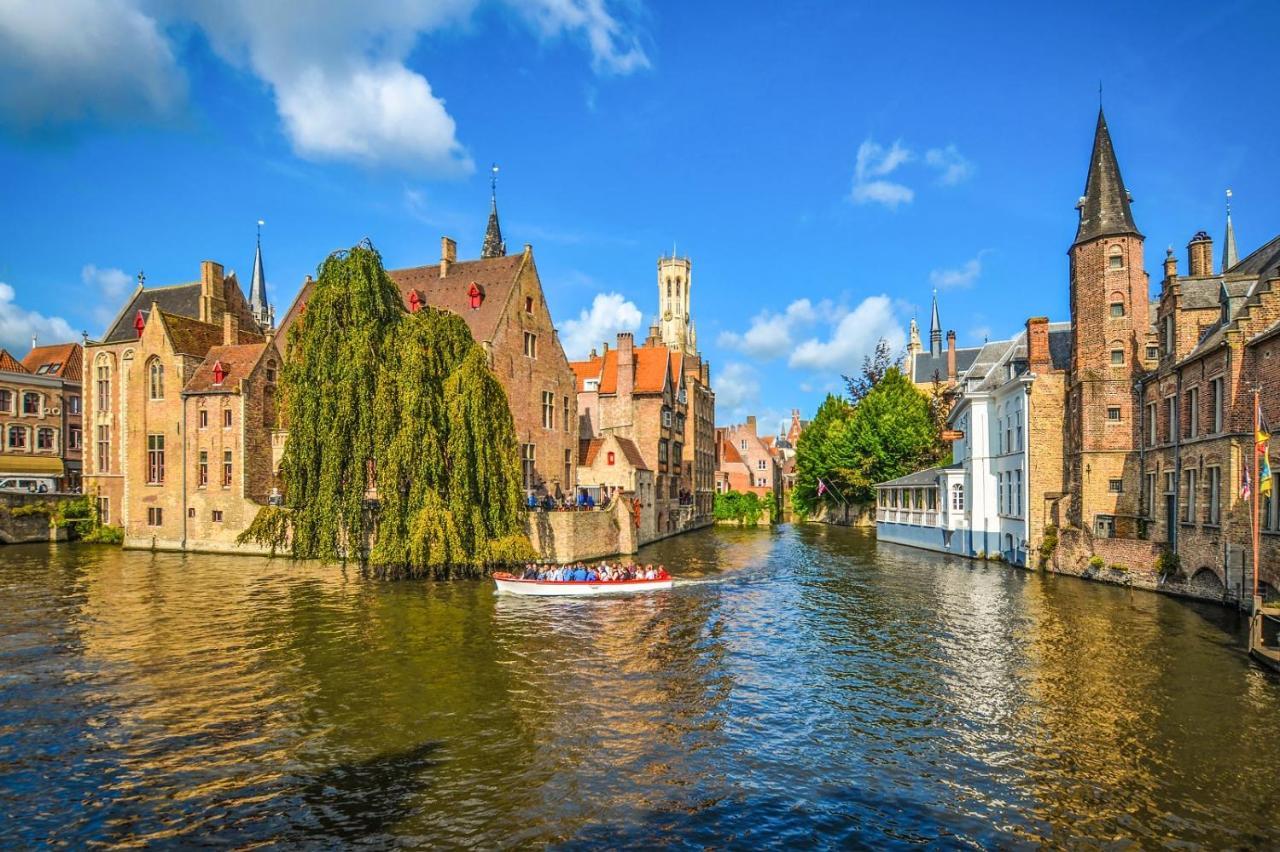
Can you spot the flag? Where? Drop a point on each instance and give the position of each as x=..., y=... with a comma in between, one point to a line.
x=1262, y=438
x=822, y=487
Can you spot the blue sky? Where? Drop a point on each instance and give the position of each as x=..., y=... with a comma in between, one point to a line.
x=825, y=165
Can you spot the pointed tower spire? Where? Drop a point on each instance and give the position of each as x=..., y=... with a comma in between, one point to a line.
x=493, y=244
x=935, y=329
x=1104, y=207
x=262, y=311
x=1229, y=256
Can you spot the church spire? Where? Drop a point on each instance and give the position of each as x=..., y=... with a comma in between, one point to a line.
x=262, y=312
x=493, y=243
x=1104, y=207
x=935, y=329
x=1229, y=256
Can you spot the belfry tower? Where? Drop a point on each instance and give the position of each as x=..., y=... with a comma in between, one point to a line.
x=675, y=280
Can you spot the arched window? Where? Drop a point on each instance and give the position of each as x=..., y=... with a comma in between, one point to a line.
x=155, y=378
x=1115, y=258
x=957, y=497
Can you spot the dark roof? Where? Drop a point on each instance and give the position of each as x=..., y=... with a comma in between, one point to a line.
x=237, y=363
x=494, y=245
x=1060, y=345
x=496, y=277
x=178, y=300
x=1199, y=293
x=926, y=366
x=1105, y=209
x=193, y=337
x=1263, y=260
x=589, y=449
x=60, y=359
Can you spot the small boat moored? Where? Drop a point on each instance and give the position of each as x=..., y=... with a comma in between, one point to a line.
x=512, y=585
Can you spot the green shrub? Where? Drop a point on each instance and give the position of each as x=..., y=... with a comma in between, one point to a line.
x=33, y=509
x=744, y=508
x=1048, y=544
x=105, y=534
x=1168, y=563
x=1116, y=566
x=1097, y=563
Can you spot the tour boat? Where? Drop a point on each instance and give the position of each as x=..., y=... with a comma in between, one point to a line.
x=513, y=585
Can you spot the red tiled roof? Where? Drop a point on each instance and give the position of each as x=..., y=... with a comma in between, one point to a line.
x=729, y=453
x=9, y=364
x=64, y=360
x=677, y=364
x=651, y=369
x=589, y=451
x=589, y=369
x=237, y=363
x=609, y=372
x=193, y=337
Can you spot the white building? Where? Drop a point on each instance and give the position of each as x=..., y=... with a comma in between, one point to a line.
x=986, y=508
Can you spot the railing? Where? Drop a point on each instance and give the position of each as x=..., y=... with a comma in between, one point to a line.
x=910, y=517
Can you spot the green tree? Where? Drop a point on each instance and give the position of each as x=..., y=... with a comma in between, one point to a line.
x=890, y=434
x=402, y=406
x=814, y=452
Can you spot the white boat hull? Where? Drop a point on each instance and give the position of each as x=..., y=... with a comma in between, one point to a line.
x=551, y=588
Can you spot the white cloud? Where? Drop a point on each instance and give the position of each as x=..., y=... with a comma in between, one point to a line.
x=961, y=276
x=980, y=333
x=737, y=388
x=75, y=60
x=872, y=164
x=770, y=334
x=338, y=70
x=951, y=164
x=18, y=324
x=110, y=283
x=609, y=314
x=854, y=336
x=614, y=48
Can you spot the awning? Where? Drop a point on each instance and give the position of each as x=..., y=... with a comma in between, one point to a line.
x=43, y=465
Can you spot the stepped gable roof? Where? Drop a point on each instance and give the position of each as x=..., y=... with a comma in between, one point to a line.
x=926, y=366
x=495, y=275
x=10, y=364
x=193, y=337
x=175, y=300
x=920, y=477
x=1105, y=209
x=237, y=362
x=588, y=369
x=63, y=360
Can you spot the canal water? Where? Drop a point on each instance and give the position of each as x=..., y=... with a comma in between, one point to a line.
x=807, y=687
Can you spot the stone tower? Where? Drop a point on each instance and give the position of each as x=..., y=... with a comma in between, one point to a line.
x=675, y=280
x=1110, y=318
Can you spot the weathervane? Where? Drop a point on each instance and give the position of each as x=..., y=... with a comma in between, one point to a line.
x=493, y=183
x=142, y=278
x=260, y=224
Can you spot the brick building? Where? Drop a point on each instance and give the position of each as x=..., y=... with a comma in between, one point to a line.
x=639, y=393
x=501, y=298
x=144, y=446
x=612, y=466
x=40, y=416
x=1139, y=434
x=764, y=471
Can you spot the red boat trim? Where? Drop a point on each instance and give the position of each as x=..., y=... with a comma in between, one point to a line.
x=512, y=579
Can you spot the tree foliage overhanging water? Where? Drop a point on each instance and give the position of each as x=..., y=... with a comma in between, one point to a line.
x=380, y=401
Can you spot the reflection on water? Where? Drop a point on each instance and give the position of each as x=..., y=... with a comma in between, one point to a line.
x=808, y=684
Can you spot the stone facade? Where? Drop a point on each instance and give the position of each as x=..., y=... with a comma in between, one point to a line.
x=171, y=329
x=41, y=431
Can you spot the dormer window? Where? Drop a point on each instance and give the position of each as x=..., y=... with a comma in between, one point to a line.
x=219, y=373
x=475, y=293
x=139, y=323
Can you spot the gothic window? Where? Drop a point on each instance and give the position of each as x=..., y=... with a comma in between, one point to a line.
x=530, y=345
x=104, y=449
x=155, y=378
x=104, y=385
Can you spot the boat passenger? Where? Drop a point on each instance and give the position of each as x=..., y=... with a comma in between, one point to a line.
x=580, y=574
x=592, y=575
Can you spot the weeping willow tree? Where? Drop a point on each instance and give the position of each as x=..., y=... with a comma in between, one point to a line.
x=401, y=451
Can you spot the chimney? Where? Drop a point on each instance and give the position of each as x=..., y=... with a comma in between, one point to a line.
x=626, y=363
x=448, y=255
x=951, y=357
x=593, y=356
x=652, y=339
x=1038, y=344
x=1170, y=264
x=1200, y=255
x=751, y=423
x=213, y=301
x=605, y=351
x=230, y=329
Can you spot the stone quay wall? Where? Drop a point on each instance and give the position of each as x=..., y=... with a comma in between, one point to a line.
x=23, y=528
